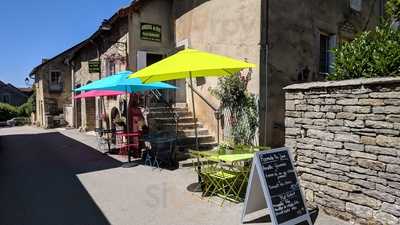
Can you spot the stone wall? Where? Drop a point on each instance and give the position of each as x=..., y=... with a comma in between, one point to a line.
x=345, y=138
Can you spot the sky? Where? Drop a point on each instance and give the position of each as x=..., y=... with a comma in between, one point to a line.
x=32, y=30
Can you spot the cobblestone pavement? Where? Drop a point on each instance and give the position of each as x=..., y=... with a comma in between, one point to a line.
x=56, y=177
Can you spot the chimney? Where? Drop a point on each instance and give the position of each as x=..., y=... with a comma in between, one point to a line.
x=44, y=60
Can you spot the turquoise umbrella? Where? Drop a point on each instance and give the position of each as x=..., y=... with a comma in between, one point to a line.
x=120, y=82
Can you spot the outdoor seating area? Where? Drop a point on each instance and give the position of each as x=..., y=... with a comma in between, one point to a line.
x=154, y=149
x=224, y=172
x=134, y=139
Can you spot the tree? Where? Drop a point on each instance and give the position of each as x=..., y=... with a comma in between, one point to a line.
x=393, y=9
x=241, y=105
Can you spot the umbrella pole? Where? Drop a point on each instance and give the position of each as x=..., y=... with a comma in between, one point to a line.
x=103, y=103
x=198, y=186
x=194, y=112
x=127, y=123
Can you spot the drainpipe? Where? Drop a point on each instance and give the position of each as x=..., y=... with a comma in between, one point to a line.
x=73, y=85
x=264, y=133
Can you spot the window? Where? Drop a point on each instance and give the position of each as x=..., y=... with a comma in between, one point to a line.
x=76, y=87
x=55, y=77
x=5, y=98
x=326, y=58
x=323, y=54
x=110, y=67
x=55, y=81
x=356, y=5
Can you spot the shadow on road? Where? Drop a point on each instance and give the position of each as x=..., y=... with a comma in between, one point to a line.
x=38, y=182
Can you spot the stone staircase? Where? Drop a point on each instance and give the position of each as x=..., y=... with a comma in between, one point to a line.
x=162, y=118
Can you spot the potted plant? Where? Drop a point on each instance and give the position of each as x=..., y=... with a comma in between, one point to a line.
x=241, y=107
x=120, y=123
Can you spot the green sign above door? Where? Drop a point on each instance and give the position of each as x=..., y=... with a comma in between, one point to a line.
x=94, y=67
x=150, y=32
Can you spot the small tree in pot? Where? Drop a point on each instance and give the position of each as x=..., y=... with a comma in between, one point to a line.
x=120, y=123
x=241, y=105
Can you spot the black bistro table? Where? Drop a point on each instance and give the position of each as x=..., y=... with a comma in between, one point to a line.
x=160, y=146
x=107, y=135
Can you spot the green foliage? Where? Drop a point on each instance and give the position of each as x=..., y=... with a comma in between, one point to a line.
x=28, y=107
x=393, y=9
x=372, y=54
x=242, y=106
x=7, y=112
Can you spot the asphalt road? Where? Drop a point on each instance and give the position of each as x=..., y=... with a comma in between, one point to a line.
x=55, y=178
x=38, y=182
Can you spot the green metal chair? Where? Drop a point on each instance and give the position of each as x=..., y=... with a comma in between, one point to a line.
x=223, y=181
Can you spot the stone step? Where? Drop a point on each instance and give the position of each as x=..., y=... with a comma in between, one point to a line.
x=202, y=146
x=191, y=140
x=191, y=132
x=161, y=105
x=163, y=118
x=181, y=126
x=166, y=109
x=168, y=114
x=180, y=105
x=172, y=120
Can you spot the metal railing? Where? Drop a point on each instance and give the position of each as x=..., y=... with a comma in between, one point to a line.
x=160, y=99
x=217, y=111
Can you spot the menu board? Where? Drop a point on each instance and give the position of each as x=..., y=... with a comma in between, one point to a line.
x=284, y=189
x=273, y=176
x=94, y=66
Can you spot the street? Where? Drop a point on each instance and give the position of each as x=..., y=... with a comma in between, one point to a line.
x=49, y=177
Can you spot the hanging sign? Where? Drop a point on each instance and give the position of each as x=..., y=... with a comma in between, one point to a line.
x=150, y=32
x=273, y=185
x=94, y=66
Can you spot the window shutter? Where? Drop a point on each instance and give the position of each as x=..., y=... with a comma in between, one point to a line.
x=332, y=45
x=356, y=5
x=141, y=60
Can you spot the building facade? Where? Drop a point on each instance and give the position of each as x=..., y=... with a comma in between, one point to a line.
x=108, y=50
x=53, y=88
x=12, y=95
x=288, y=44
x=299, y=36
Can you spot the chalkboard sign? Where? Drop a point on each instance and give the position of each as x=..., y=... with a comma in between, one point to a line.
x=274, y=177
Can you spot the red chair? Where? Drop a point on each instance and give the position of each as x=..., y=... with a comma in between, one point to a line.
x=128, y=141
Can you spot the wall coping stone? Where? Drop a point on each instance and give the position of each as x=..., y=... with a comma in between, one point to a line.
x=354, y=82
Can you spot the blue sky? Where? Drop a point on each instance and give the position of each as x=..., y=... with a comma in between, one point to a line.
x=32, y=30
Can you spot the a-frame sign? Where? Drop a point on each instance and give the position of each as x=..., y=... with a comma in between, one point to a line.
x=273, y=185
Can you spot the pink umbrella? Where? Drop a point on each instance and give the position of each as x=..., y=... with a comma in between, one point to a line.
x=99, y=93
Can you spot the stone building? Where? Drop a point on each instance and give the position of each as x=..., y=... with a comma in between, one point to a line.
x=289, y=45
x=108, y=47
x=12, y=95
x=52, y=86
x=118, y=39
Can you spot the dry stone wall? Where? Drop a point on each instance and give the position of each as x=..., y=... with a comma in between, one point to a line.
x=345, y=138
